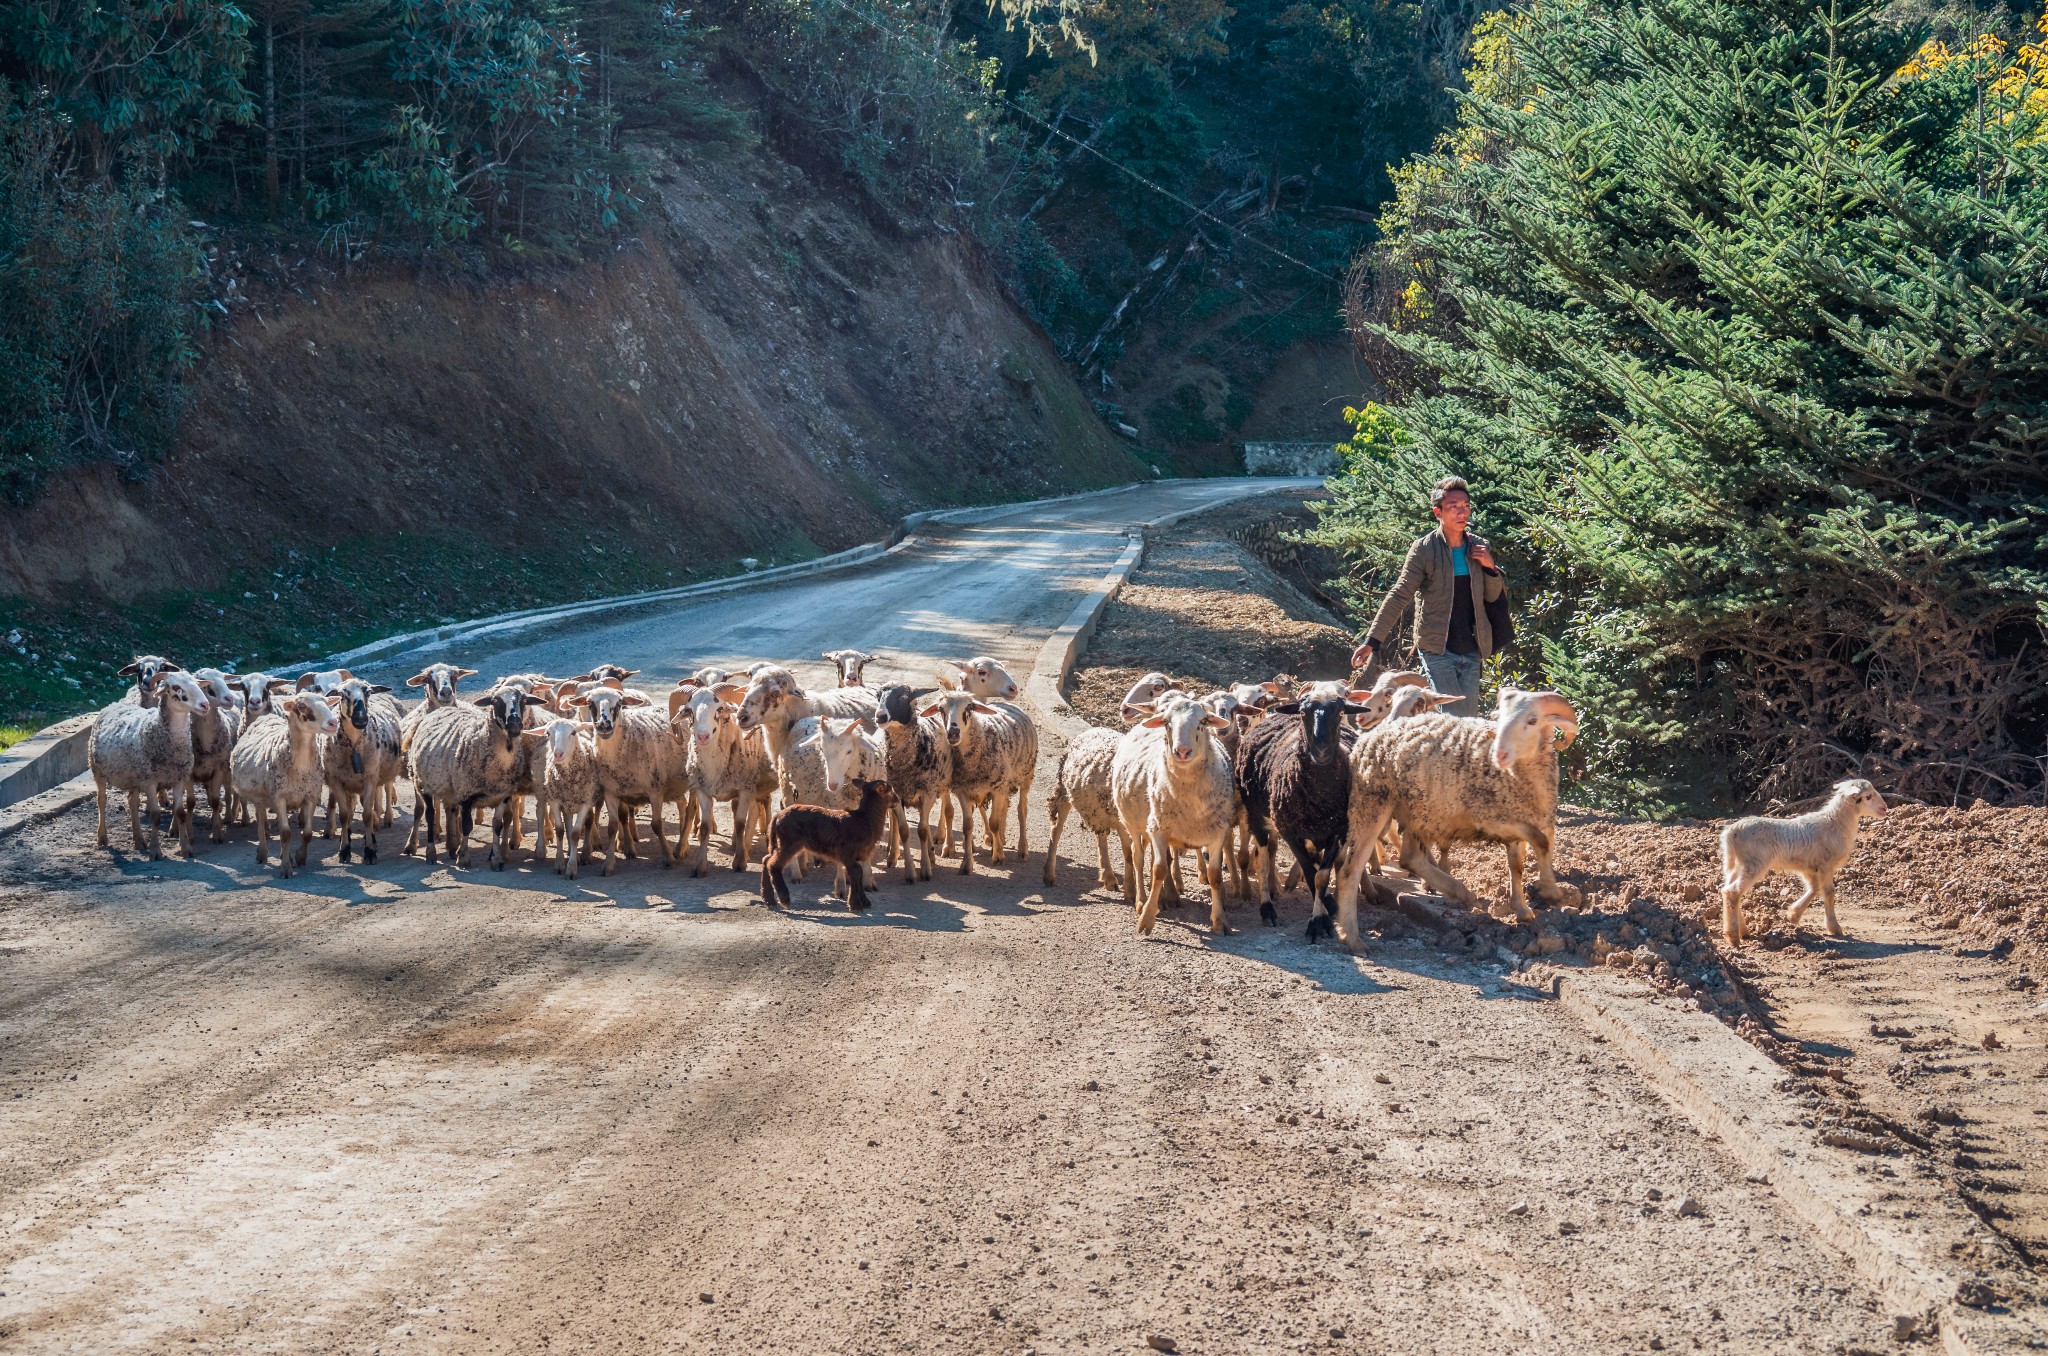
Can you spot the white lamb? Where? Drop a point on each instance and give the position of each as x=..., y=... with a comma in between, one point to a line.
x=568, y=791
x=1811, y=846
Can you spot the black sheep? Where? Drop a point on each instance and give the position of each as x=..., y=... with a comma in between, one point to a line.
x=1293, y=774
x=847, y=837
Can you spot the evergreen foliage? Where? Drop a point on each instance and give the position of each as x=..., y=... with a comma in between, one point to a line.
x=1733, y=312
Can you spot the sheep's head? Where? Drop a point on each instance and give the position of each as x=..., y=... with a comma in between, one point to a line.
x=1869, y=800
x=845, y=750
x=956, y=710
x=1379, y=700
x=1145, y=693
x=983, y=677
x=560, y=734
x=850, y=664
x=321, y=715
x=604, y=703
x=148, y=670
x=1186, y=723
x=355, y=697
x=1525, y=725
x=221, y=688
x=698, y=713
x=180, y=690
x=439, y=680
x=608, y=672
x=323, y=681
x=1322, y=720
x=258, y=690
x=1418, y=701
x=507, y=707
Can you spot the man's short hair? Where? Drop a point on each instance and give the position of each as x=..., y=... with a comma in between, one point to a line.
x=1445, y=486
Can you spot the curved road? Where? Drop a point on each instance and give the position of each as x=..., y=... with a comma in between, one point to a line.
x=998, y=586
x=399, y=1109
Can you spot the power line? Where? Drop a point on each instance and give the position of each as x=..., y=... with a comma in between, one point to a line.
x=1017, y=108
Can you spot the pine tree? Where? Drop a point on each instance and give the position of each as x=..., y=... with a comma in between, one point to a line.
x=1732, y=313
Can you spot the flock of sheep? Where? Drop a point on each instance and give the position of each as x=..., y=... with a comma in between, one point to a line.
x=1344, y=777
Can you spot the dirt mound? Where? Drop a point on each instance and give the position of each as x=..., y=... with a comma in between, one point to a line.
x=1206, y=611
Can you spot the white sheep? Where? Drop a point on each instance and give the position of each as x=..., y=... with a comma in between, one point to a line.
x=1811, y=846
x=848, y=756
x=981, y=677
x=464, y=757
x=568, y=790
x=1083, y=787
x=995, y=757
x=147, y=670
x=277, y=770
x=637, y=762
x=147, y=752
x=1459, y=779
x=1174, y=791
x=724, y=763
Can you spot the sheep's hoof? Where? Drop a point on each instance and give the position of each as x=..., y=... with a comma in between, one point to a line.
x=344, y=854
x=1320, y=926
x=369, y=856
x=1270, y=916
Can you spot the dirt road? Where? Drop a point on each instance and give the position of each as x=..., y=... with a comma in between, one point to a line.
x=402, y=1109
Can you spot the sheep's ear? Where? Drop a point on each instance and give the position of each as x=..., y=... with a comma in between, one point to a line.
x=334, y=700
x=1216, y=722
x=981, y=708
x=1358, y=694
x=631, y=698
x=128, y=670
x=306, y=680
x=1142, y=708
x=375, y=688
x=677, y=700
x=169, y=667
x=1294, y=709
x=1154, y=723
x=810, y=741
x=730, y=692
x=417, y=680
x=463, y=673
x=934, y=709
x=687, y=681
x=579, y=700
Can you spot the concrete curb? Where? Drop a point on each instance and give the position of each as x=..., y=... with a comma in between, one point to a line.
x=1063, y=648
x=45, y=759
x=1895, y=1230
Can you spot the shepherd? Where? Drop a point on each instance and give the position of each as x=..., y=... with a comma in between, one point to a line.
x=1460, y=596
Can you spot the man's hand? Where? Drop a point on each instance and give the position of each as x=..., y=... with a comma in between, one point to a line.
x=1362, y=656
x=1482, y=555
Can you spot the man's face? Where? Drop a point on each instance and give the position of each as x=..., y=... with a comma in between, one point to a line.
x=1455, y=509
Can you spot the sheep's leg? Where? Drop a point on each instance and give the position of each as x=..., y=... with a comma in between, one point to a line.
x=1732, y=891
x=262, y=832
x=135, y=821
x=99, y=793
x=1368, y=821
x=1238, y=880
x=1164, y=865
x=1827, y=905
x=342, y=802
x=702, y=821
x=1123, y=842
x=660, y=834
x=611, y=846
x=578, y=827
x=1023, y=814
x=745, y=810
x=305, y=829
x=1518, y=906
x=153, y=811
x=1052, y=847
x=1415, y=856
x=857, y=900
x=1105, y=873
x=998, y=810
x=1218, y=850
x=218, y=805
x=967, y=834
x=1309, y=860
x=1805, y=900
x=286, y=822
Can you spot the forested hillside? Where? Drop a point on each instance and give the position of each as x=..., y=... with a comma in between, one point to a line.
x=1171, y=188
x=1733, y=312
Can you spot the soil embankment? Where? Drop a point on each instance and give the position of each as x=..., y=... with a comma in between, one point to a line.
x=763, y=372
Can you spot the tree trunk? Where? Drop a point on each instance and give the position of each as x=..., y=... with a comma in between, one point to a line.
x=270, y=116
